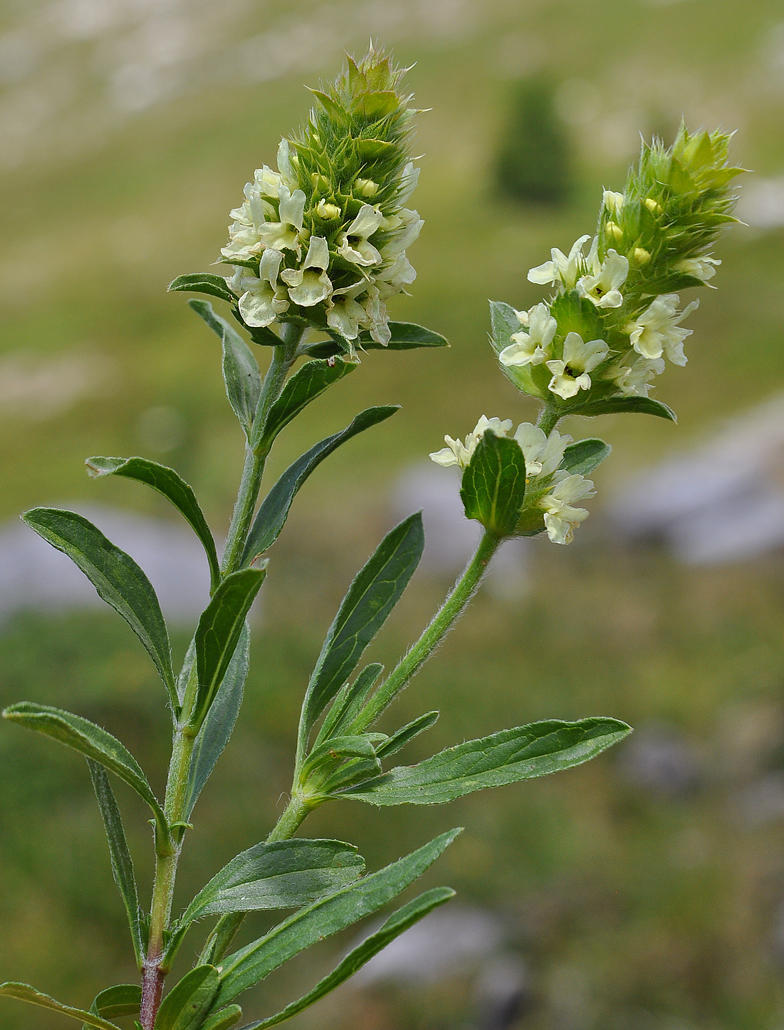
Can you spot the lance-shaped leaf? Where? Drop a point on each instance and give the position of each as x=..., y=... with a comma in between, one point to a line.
x=406, y=734
x=283, y=874
x=506, y=757
x=240, y=368
x=583, y=456
x=619, y=405
x=24, y=992
x=493, y=486
x=203, y=282
x=348, y=703
x=222, y=1019
x=186, y=1005
x=370, y=599
x=404, y=336
x=120, y=856
x=397, y=923
x=219, y=723
x=253, y=963
x=504, y=322
x=122, y=1000
x=167, y=482
x=90, y=740
x=359, y=746
x=307, y=383
x=274, y=510
x=218, y=634
x=114, y=574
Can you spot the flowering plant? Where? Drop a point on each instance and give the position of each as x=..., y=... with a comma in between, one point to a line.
x=317, y=248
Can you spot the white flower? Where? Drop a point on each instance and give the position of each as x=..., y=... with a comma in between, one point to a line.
x=560, y=515
x=264, y=299
x=408, y=181
x=570, y=375
x=345, y=315
x=353, y=244
x=701, y=268
x=561, y=268
x=657, y=330
x=457, y=453
x=613, y=201
x=634, y=380
x=529, y=348
x=310, y=284
x=543, y=454
x=284, y=234
x=601, y=286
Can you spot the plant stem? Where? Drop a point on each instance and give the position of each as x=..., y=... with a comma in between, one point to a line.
x=447, y=615
x=167, y=857
x=549, y=418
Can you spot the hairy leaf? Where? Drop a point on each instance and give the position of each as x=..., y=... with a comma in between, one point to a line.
x=253, y=963
x=397, y=923
x=583, y=457
x=370, y=599
x=307, y=383
x=493, y=486
x=120, y=856
x=222, y=1019
x=167, y=482
x=203, y=282
x=405, y=336
x=274, y=510
x=618, y=405
x=218, y=633
x=186, y=1005
x=114, y=574
x=347, y=704
x=24, y=992
x=122, y=1000
x=506, y=757
x=406, y=734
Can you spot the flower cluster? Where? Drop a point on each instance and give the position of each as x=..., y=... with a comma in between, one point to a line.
x=615, y=316
x=324, y=237
x=551, y=491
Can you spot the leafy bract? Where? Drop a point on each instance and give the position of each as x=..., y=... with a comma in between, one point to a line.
x=274, y=510
x=114, y=574
x=120, y=856
x=189, y=1001
x=203, y=282
x=493, y=485
x=348, y=703
x=90, y=740
x=223, y=1018
x=406, y=734
x=240, y=368
x=619, y=405
x=397, y=923
x=370, y=599
x=122, y=1000
x=253, y=963
x=24, y=992
x=218, y=633
x=583, y=456
x=219, y=724
x=404, y=336
x=506, y=757
x=167, y=482
x=307, y=383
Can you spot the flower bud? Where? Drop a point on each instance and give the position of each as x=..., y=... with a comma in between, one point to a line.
x=327, y=211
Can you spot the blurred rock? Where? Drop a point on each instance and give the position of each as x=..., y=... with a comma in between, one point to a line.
x=658, y=759
x=761, y=802
x=722, y=501
x=33, y=575
x=502, y=992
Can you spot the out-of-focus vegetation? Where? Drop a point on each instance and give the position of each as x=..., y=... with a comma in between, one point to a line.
x=633, y=909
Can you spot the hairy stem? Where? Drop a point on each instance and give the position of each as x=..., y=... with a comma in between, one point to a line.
x=444, y=619
x=549, y=418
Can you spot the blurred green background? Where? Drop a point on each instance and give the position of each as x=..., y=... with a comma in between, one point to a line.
x=127, y=129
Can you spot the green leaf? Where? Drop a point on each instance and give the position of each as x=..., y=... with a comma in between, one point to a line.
x=405, y=336
x=122, y=1000
x=305, y=385
x=274, y=510
x=223, y=1019
x=370, y=599
x=355, y=746
x=186, y=1005
x=253, y=963
x=538, y=749
x=218, y=634
x=203, y=282
x=114, y=574
x=504, y=322
x=619, y=405
x=167, y=482
x=219, y=723
x=262, y=335
x=406, y=734
x=90, y=740
x=583, y=457
x=120, y=856
x=284, y=874
x=493, y=486
x=348, y=702
x=397, y=923
x=240, y=369
x=24, y=992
